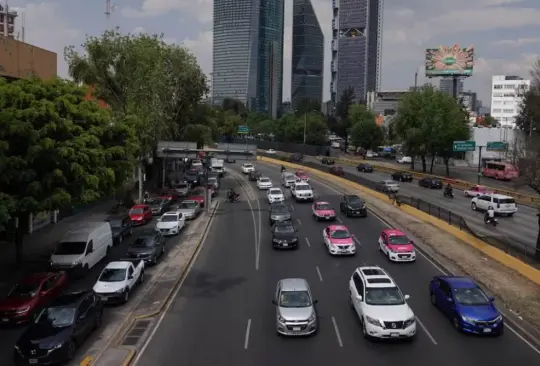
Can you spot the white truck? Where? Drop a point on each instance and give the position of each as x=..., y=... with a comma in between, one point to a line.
x=301, y=191
x=118, y=279
x=217, y=166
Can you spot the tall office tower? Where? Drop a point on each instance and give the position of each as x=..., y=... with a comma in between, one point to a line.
x=270, y=68
x=307, y=54
x=356, y=47
x=446, y=85
x=235, y=51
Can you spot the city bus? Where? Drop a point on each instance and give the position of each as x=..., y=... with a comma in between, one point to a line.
x=499, y=170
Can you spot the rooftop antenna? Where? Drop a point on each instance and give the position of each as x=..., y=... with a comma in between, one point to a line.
x=108, y=8
x=23, y=25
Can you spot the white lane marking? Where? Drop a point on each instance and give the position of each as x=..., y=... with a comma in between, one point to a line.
x=257, y=235
x=248, y=330
x=299, y=222
x=319, y=273
x=426, y=331
x=292, y=207
x=339, y=220
x=357, y=241
x=307, y=242
x=173, y=297
x=336, y=329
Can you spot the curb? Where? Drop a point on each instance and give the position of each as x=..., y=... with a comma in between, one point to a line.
x=131, y=355
x=120, y=334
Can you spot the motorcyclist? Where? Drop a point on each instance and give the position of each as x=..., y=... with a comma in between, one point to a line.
x=232, y=195
x=490, y=215
x=146, y=195
x=448, y=189
x=283, y=169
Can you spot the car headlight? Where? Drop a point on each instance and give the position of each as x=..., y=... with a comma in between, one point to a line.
x=311, y=318
x=276, y=240
x=280, y=319
x=23, y=310
x=364, y=206
x=273, y=217
x=294, y=240
x=373, y=321
x=409, y=322
x=467, y=319
x=121, y=291
x=498, y=319
x=74, y=263
x=17, y=348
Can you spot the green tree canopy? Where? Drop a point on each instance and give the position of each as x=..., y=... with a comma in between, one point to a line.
x=307, y=105
x=340, y=123
x=365, y=132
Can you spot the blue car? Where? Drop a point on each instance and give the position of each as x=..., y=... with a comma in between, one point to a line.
x=467, y=306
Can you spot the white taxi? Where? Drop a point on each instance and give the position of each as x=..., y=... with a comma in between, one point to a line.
x=275, y=195
x=247, y=168
x=264, y=183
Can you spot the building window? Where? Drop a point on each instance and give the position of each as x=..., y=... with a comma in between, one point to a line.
x=508, y=111
x=495, y=95
x=498, y=110
x=497, y=86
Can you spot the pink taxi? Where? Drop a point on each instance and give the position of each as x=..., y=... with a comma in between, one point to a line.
x=338, y=240
x=397, y=246
x=323, y=211
x=301, y=175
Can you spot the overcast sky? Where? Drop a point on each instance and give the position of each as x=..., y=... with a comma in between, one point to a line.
x=506, y=33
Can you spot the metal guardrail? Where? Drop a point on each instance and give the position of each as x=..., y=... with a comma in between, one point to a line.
x=520, y=250
x=459, y=184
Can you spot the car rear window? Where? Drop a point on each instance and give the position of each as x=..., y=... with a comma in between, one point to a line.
x=504, y=200
x=302, y=187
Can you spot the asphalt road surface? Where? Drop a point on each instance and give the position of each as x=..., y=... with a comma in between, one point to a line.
x=223, y=314
x=521, y=229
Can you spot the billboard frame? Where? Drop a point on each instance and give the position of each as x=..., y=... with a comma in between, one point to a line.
x=454, y=55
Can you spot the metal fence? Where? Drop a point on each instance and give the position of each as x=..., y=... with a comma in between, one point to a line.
x=517, y=249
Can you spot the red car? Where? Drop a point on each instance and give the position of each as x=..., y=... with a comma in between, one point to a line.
x=31, y=293
x=198, y=195
x=301, y=175
x=140, y=215
x=337, y=170
x=397, y=246
x=170, y=195
x=323, y=211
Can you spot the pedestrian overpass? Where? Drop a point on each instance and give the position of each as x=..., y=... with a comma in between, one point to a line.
x=184, y=149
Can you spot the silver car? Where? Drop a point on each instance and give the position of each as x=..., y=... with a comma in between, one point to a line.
x=190, y=209
x=295, y=308
x=288, y=180
x=214, y=182
x=388, y=186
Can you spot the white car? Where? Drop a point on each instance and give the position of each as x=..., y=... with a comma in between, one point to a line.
x=171, y=223
x=301, y=191
x=247, y=168
x=275, y=195
x=271, y=151
x=264, y=183
x=379, y=304
x=404, y=160
x=196, y=163
x=118, y=279
x=288, y=179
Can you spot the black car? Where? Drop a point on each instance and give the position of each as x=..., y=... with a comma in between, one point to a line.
x=279, y=212
x=402, y=176
x=327, y=161
x=254, y=176
x=366, y=168
x=296, y=157
x=230, y=160
x=149, y=246
x=120, y=226
x=352, y=205
x=430, y=182
x=284, y=236
x=58, y=329
x=193, y=177
x=158, y=205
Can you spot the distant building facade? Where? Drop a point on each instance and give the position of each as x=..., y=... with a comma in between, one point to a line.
x=507, y=92
x=19, y=60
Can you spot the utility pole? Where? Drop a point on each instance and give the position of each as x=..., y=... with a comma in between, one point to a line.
x=416, y=80
x=108, y=9
x=479, y=163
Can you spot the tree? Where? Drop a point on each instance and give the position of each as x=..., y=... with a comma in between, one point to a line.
x=233, y=105
x=490, y=121
x=340, y=123
x=365, y=132
x=307, y=105
x=312, y=124
x=57, y=150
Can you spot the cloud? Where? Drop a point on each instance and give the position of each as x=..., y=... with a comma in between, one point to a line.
x=517, y=42
x=202, y=49
x=198, y=9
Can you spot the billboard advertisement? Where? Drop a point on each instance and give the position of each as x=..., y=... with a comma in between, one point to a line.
x=449, y=61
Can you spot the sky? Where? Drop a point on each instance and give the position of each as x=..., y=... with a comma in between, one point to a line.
x=505, y=33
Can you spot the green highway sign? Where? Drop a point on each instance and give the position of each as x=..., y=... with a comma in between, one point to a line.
x=496, y=146
x=243, y=129
x=461, y=146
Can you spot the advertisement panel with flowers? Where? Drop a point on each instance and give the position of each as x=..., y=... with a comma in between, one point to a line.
x=449, y=61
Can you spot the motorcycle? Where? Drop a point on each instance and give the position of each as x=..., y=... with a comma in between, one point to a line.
x=491, y=220
x=449, y=194
x=233, y=198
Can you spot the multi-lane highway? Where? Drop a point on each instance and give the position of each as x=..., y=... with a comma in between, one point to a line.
x=521, y=229
x=223, y=313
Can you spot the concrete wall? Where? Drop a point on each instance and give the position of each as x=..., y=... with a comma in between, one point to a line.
x=21, y=60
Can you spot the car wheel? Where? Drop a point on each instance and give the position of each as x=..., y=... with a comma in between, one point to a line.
x=130, y=232
x=455, y=323
x=154, y=260
x=351, y=304
x=364, y=330
x=71, y=349
x=120, y=239
x=99, y=317
x=126, y=297
x=511, y=215
x=141, y=277
x=473, y=206
x=433, y=299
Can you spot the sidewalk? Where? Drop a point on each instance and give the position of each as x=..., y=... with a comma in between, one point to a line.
x=38, y=246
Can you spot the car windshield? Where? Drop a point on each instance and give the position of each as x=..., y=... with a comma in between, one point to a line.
x=187, y=205
x=181, y=186
x=191, y=175
x=354, y=200
x=389, y=183
x=398, y=239
x=56, y=317
x=155, y=201
x=470, y=296
x=284, y=229
x=264, y=180
x=169, y=218
x=302, y=187
x=280, y=210
x=340, y=234
x=290, y=177
x=115, y=223
x=248, y=166
x=136, y=211
x=23, y=290
x=212, y=179
x=275, y=191
x=384, y=296
x=294, y=299
x=70, y=248
x=323, y=206
x=113, y=275
x=143, y=243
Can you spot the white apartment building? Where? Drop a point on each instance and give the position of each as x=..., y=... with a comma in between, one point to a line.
x=506, y=95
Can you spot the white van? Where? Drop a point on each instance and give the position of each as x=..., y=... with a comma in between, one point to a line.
x=82, y=248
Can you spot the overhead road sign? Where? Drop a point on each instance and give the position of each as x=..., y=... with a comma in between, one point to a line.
x=496, y=146
x=463, y=146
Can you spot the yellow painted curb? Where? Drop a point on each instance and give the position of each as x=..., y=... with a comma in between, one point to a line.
x=129, y=357
x=496, y=254
x=86, y=361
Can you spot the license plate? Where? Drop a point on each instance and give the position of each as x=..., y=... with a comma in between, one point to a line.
x=394, y=335
x=5, y=320
x=104, y=298
x=297, y=329
x=487, y=330
x=32, y=361
x=344, y=250
x=285, y=244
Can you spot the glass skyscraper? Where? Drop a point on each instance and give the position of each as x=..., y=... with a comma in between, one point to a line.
x=356, y=47
x=307, y=54
x=248, y=53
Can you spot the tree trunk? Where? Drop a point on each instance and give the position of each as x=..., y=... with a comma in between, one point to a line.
x=412, y=162
x=447, y=165
x=424, y=165
x=432, y=162
x=20, y=230
x=537, y=254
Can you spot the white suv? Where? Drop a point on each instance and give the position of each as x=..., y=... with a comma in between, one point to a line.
x=379, y=304
x=247, y=168
x=288, y=179
x=503, y=205
x=302, y=192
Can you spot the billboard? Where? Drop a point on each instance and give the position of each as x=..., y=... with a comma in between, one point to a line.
x=21, y=60
x=449, y=61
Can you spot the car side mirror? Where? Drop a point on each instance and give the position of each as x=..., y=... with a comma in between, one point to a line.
x=296, y=230
x=315, y=302
x=407, y=297
x=130, y=277
x=81, y=318
x=274, y=302
x=491, y=299
x=359, y=297
x=449, y=299
x=159, y=219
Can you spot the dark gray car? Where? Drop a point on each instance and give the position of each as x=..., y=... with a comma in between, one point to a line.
x=279, y=212
x=158, y=205
x=182, y=189
x=149, y=246
x=120, y=227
